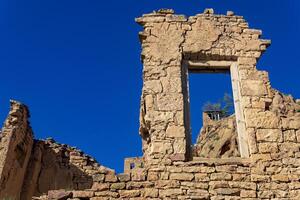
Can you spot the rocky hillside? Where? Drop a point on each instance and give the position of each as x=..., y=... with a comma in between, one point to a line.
x=217, y=139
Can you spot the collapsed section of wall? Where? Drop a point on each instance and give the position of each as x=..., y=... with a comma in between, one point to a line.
x=56, y=166
x=31, y=167
x=15, y=150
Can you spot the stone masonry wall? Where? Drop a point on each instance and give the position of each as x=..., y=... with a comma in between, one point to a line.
x=268, y=122
x=168, y=41
x=15, y=149
x=55, y=166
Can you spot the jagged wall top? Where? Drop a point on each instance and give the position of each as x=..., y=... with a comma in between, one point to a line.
x=167, y=36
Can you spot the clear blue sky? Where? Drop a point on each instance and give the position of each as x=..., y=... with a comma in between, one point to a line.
x=76, y=64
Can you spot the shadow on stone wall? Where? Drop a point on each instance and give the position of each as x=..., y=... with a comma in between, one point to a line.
x=54, y=166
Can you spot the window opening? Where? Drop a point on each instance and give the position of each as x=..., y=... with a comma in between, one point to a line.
x=214, y=127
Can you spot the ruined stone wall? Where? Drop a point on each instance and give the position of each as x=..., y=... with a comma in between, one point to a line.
x=169, y=43
x=15, y=149
x=268, y=122
x=55, y=166
x=31, y=167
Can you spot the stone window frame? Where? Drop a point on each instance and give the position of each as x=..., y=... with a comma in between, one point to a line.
x=221, y=66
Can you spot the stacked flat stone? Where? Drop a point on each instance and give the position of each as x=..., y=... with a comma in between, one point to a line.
x=269, y=166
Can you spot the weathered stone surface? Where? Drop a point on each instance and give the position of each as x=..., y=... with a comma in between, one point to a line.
x=150, y=192
x=217, y=139
x=15, y=148
x=83, y=194
x=59, y=194
x=117, y=186
x=100, y=186
x=257, y=119
x=175, y=131
x=253, y=88
x=182, y=176
x=202, y=35
x=267, y=123
x=169, y=102
x=170, y=192
x=269, y=135
x=129, y=193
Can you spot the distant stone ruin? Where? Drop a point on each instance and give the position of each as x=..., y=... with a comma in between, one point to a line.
x=256, y=155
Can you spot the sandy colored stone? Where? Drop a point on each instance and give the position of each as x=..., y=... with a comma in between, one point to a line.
x=217, y=139
x=170, y=192
x=150, y=192
x=257, y=119
x=83, y=194
x=153, y=86
x=253, y=88
x=220, y=176
x=100, y=186
x=175, y=131
x=129, y=193
x=117, y=186
x=182, y=176
x=269, y=135
x=169, y=102
x=261, y=163
x=59, y=194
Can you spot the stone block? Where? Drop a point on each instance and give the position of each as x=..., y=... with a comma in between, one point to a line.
x=269, y=135
x=107, y=194
x=152, y=87
x=129, y=193
x=291, y=122
x=199, y=193
x=175, y=131
x=150, y=193
x=289, y=147
x=83, y=194
x=205, y=169
x=169, y=102
x=256, y=119
x=163, y=184
x=98, y=177
x=100, y=186
x=289, y=136
x=171, y=85
x=248, y=193
x=260, y=178
x=111, y=178
x=268, y=147
x=117, y=186
x=170, y=192
x=253, y=88
x=220, y=176
x=201, y=177
x=179, y=147
x=228, y=191
x=59, y=194
x=247, y=61
x=218, y=184
x=182, y=176
x=124, y=177
x=152, y=176
x=160, y=147
x=280, y=178
x=138, y=175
